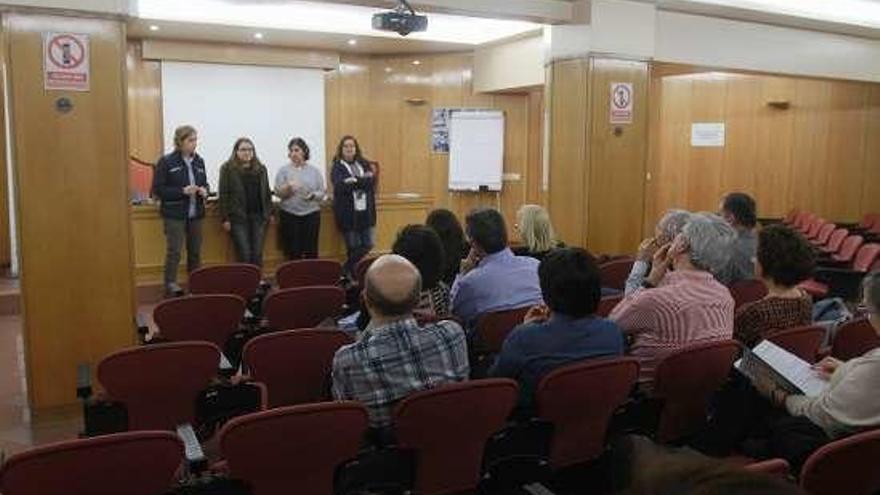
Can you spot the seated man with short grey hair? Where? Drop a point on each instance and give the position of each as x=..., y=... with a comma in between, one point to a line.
x=394, y=357
x=681, y=302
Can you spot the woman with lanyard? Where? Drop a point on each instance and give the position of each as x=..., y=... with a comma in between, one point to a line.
x=354, y=200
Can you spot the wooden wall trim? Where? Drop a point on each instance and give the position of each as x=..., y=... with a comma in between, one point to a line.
x=228, y=53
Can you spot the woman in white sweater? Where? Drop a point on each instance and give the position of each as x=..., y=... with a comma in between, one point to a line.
x=792, y=426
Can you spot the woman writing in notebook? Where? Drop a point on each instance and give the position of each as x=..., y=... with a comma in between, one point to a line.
x=354, y=200
x=766, y=421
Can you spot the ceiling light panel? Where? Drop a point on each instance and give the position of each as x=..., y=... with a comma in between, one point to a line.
x=864, y=13
x=327, y=18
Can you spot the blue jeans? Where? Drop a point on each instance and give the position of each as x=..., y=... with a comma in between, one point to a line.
x=357, y=243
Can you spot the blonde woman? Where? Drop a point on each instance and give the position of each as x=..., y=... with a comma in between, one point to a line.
x=535, y=231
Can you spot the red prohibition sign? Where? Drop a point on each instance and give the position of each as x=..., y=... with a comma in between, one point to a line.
x=75, y=58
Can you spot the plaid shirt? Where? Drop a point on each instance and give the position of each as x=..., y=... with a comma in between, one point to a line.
x=388, y=363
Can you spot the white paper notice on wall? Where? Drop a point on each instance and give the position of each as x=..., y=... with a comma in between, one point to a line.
x=621, y=105
x=66, y=61
x=707, y=134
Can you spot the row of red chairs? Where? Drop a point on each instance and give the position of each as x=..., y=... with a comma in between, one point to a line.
x=298, y=449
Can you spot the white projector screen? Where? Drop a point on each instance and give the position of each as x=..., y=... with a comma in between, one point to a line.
x=270, y=105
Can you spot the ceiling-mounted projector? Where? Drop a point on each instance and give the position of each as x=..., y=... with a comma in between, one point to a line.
x=402, y=20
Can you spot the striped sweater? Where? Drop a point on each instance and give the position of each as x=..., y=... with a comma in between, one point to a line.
x=686, y=307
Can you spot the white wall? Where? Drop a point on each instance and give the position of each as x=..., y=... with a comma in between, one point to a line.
x=715, y=42
x=515, y=64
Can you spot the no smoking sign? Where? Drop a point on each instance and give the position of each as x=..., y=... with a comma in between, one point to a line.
x=621, y=103
x=66, y=61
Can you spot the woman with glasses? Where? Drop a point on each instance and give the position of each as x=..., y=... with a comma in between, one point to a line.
x=300, y=186
x=245, y=201
x=771, y=422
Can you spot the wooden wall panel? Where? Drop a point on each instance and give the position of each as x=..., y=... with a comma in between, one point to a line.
x=74, y=230
x=569, y=161
x=871, y=170
x=5, y=235
x=814, y=154
x=144, y=105
x=616, y=188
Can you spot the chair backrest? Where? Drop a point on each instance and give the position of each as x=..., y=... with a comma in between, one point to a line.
x=492, y=328
x=613, y=274
x=241, y=279
x=803, y=342
x=579, y=399
x=865, y=257
x=685, y=380
x=293, y=449
x=607, y=305
x=791, y=216
x=849, y=247
x=360, y=270
x=844, y=466
x=307, y=273
x=854, y=338
x=133, y=463
x=746, y=291
x=835, y=240
x=817, y=225
x=800, y=219
x=206, y=317
x=869, y=220
x=778, y=468
x=159, y=383
x=302, y=307
x=294, y=365
x=448, y=427
x=824, y=233
x=807, y=222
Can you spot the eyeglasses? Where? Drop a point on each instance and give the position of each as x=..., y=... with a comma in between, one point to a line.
x=246, y=149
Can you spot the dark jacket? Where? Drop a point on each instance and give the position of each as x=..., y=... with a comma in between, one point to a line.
x=233, y=199
x=343, y=201
x=169, y=180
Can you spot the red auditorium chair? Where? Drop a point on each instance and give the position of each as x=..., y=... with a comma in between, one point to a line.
x=206, y=317
x=778, y=468
x=848, y=249
x=579, y=400
x=293, y=449
x=685, y=380
x=746, y=291
x=807, y=223
x=843, y=282
x=844, y=466
x=360, y=270
x=614, y=273
x=308, y=273
x=607, y=305
x=815, y=227
x=159, y=383
x=791, y=216
x=492, y=328
x=803, y=342
x=868, y=222
x=302, y=307
x=834, y=242
x=853, y=339
x=241, y=279
x=294, y=365
x=824, y=234
x=447, y=429
x=130, y=463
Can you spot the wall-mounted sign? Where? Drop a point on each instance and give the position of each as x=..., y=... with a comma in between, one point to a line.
x=707, y=134
x=621, y=103
x=66, y=61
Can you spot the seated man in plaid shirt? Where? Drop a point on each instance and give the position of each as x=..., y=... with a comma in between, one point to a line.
x=394, y=357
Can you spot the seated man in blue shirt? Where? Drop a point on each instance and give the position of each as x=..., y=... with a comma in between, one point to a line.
x=564, y=331
x=492, y=278
x=394, y=356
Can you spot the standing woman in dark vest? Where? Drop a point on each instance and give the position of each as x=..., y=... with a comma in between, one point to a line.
x=354, y=200
x=245, y=201
x=181, y=185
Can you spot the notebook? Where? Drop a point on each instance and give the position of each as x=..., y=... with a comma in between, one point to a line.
x=788, y=371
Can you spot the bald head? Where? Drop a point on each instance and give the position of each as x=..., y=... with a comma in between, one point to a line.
x=392, y=286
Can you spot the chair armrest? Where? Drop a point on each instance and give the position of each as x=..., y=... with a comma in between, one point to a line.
x=195, y=457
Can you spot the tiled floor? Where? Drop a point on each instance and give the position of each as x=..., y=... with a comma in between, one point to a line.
x=19, y=428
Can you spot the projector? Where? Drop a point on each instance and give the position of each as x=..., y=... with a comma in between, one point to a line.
x=402, y=20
